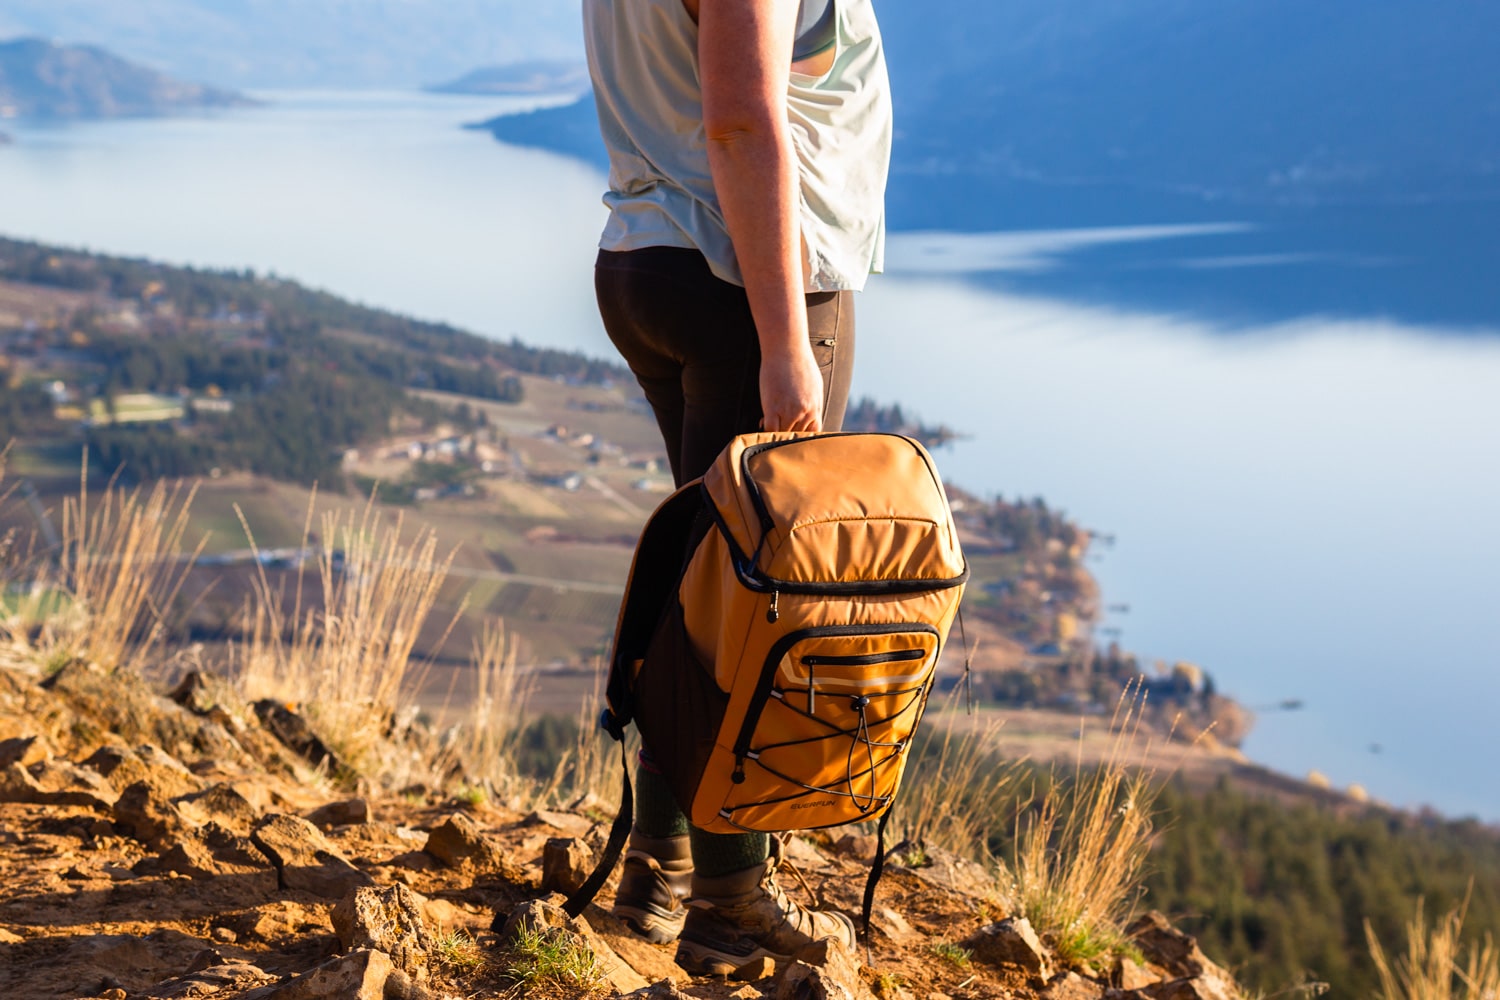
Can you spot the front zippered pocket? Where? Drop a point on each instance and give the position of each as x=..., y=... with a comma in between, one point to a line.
x=835, y=679
x=788, y=643
x=824, y=737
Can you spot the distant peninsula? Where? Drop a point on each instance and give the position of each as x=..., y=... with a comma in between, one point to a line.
x=532, y=77
x=571, y=129
x=42, y=79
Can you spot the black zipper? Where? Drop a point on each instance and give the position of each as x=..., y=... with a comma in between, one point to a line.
x=868, y=659
x=766, y=521
x=755, y=580
x=752, y=579
x=773, y=659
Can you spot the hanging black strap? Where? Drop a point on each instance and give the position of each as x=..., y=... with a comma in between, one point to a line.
x=618, y=833
x=968, y=683
x=876, y=868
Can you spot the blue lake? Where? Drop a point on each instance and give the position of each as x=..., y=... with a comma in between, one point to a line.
x=1289, y=418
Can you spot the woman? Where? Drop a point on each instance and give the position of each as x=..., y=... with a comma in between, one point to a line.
x=749, y=142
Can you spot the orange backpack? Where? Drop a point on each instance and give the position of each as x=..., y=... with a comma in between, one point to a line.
x=780, y=633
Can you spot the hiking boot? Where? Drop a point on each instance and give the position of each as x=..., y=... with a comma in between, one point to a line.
x=739, y=918
x=653, y=885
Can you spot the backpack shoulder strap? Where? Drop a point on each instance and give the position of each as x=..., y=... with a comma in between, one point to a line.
x=660, y=556
x=654, y=572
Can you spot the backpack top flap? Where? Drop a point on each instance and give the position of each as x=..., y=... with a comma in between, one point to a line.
x=832, y=513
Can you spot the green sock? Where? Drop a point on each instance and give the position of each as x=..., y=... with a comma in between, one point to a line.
x=656, y=812
x=716, y=854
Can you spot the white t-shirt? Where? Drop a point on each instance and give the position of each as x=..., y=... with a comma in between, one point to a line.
x=643, y=58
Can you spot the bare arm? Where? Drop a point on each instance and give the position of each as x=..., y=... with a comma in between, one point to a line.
x=744, y=53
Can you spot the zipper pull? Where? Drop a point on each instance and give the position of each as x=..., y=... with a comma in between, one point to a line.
x=812, y=683
x=738, y=777
x=773, y=613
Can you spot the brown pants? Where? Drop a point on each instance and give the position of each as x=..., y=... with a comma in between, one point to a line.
x=690, y=341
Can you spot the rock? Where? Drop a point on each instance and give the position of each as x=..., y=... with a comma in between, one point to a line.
x=948, y=871
x=273, y=924
x=400, y=986
x=1209, y=987
x=663, y=989
x=1166, y=947
x=802, y=852
x=1072, y=986
x=619, y=973
x=416, y=861
x=124, y=705
x=198, y=858
x=228, y=978
x=230, y=848
x=294, y=732
x=547, y=917
x=388, y=920
x=532, y=915
x=222, y=804
x=359, y=975
x=201, y=693
x=55, y=783
x=1011, y=942
x=23, y=750
x=188, y=857
x=445, y=916
x=754, y=971
x=146, y=813
x=573, y=826
x=346, y=813
x=892, y=924
x=304, y=859
x=856, y=846
x=824, y=970
x=458, y=841
x=566, y=863
x=653, y=962
x=124, y=767
x=1128, y=974
x=215, y=743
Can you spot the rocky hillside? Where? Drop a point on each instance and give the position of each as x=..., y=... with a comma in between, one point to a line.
x=185, y=845
x=42, y=79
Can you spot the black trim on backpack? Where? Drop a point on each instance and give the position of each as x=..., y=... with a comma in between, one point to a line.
x=877, y=868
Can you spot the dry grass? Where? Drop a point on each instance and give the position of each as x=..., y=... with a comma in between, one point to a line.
x=346, y=659
x=105, y=593
x=1436, y=965
x=952, y=800
x=483, y=746
x=592, y=767
x=1080, y=852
